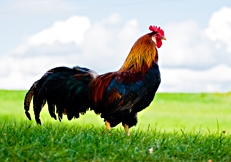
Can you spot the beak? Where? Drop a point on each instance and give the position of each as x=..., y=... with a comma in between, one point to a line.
x=163, y=38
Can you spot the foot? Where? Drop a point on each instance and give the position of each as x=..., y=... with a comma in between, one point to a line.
x=108, y=126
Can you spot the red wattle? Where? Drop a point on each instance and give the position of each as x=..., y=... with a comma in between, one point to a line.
x=158, y=43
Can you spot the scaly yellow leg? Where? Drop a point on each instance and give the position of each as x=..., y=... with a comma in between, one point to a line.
x=126, y=128
x=108, y=127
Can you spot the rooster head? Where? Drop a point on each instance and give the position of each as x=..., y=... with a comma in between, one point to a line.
x=158, y=35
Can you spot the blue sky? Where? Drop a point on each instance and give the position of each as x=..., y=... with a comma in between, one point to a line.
x=37, y=35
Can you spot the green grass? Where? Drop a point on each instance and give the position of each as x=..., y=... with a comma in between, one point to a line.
x=26, y=141
x=174, y=111
x=178, y=126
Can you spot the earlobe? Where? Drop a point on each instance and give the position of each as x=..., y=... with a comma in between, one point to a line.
x=154, y=39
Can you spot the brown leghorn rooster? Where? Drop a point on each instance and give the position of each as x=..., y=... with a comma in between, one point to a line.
x=117, y=96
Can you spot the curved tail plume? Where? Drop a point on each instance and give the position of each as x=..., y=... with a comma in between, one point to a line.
x=66, y=91
x=28, y=99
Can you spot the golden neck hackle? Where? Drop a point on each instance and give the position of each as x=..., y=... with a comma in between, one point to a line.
x=141, y=57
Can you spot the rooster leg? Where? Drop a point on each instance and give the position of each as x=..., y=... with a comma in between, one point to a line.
x=126, y=128
x=108, y=127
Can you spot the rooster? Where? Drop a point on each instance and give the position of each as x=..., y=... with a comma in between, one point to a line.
x=118, y=96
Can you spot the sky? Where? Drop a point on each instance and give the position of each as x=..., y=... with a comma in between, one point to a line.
x=38, y=35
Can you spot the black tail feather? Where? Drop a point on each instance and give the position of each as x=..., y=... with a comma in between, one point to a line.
x=51, y=108
x=64, y=89
x=28, y=99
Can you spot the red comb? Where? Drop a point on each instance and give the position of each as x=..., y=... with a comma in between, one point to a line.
x=156, y=29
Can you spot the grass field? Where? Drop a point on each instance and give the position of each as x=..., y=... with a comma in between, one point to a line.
x=177, y=126
x=67, y=142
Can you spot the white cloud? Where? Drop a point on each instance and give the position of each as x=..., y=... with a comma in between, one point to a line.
x=71, y=30
x=187, y=46
x=185, y=80
x=113, y=19
x=219, y=29
x=194, y=59
x=107, y=41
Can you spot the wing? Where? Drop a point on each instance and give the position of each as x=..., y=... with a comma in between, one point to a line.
x=122, y=93
x=130, y=92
